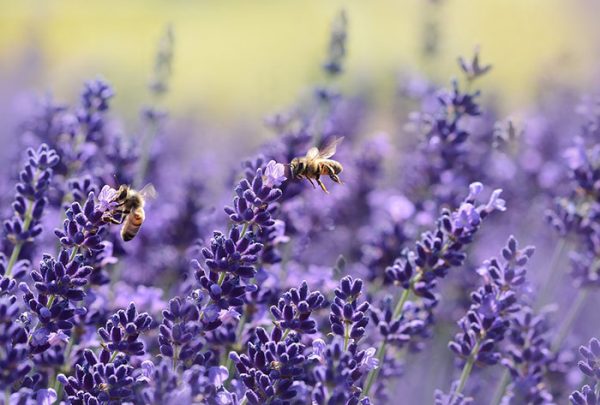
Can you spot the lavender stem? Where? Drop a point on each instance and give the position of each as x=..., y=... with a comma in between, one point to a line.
x=466, y=372
x=565, y=327
x=550, y=276
x=381, y=351
x=114, y=355
x=244, y=230
x=19, y=245
x=501, y=388
x=346, y=336
x=144, y=161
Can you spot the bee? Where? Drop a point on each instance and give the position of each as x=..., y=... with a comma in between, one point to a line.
x=316, y=163
x=130, y=208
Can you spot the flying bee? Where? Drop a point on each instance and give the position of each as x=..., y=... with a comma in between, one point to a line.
x=316, y=163
x=130, y=208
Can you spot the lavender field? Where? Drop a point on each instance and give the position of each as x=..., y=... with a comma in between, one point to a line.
x=439, y=247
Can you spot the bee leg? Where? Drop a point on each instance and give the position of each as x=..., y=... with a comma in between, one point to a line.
x=112, y=220
x=109, y=216
x=322, y=185
x=335, y=178
x=310, y=181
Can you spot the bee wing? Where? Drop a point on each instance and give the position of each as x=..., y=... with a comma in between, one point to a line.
x=329, y=149
x=312, y=153
x=148, y=192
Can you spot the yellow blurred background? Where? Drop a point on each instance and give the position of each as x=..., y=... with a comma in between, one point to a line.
x=236, y=59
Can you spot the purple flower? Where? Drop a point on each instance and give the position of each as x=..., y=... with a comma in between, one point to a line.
x=472, y=68
x=348, y=318
x=591, y=355
x=45, y=397
x=256, y=194
x=337, y=45
x=218, y=375
x=528, y=358
x=274, y=174
x=106, y=199
x=122, y=331
x=474, y=190
x=101, y=380
x=467, y=216
x=270, y=367
x=495, y=202
x=147, y=371
x=452, y=398
x=318, y=346
x=29, y=204
x=369, y=361
x=493, y=305
x=587, y=396
x=229, y=316
x=590, y=366
x=57, y=338
x=293, y=310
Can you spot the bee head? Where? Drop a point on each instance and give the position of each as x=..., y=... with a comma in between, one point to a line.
x=122, y=192
x=296, y=167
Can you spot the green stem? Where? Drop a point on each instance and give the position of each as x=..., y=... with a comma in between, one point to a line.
x=26, y=224
x=241, y=324
x=466, y=372
x=19, y=245
x=238, y=334
x=569, y=319
x=374, y=373
x=50, y=302
x=220, y=282
x=144, y=160
x=73, y=253
x=501, y=388
x=175, y=357
x=65, y=368
x=401, y=302
x=346, y=336
x=59, y=390
x=7, y=396
x=244, y=230
x=287, y=253
x=113, y=357
x=221, y=278
x=550, y=276
x=13, y=257
x=287, y=331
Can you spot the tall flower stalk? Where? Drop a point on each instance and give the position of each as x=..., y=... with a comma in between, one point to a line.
x=419, y=271
x=30, y=200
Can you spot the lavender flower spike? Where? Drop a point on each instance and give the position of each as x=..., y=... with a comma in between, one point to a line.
x=590, y=366
x=418, y=272
x=29, y=203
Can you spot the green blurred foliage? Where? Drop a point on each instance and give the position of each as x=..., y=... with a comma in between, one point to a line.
x=236, y=59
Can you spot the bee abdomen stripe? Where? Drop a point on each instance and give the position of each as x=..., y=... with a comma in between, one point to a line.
x=129, y=232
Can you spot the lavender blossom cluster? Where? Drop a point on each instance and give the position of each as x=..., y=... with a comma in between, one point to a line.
x=263, y=290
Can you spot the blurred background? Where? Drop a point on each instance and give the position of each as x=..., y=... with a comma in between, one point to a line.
x=238, y=60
